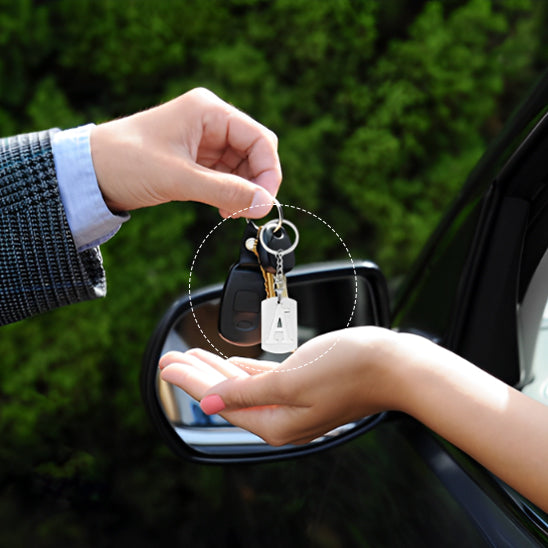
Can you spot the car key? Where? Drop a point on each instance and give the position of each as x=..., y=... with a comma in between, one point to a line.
x=243, y=292
x=268, y=276
x=278, y=312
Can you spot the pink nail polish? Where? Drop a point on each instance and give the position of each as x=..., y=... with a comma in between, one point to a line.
x=212, y=404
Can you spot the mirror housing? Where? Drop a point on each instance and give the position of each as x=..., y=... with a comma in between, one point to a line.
x=331, y=296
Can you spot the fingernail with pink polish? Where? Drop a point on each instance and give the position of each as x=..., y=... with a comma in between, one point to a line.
x=212, y=404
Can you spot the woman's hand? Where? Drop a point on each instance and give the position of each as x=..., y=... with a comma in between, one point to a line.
x=195, y=147
x=342, y=376
x=329, y=381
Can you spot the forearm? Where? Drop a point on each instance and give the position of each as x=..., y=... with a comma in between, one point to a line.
x=498, y=426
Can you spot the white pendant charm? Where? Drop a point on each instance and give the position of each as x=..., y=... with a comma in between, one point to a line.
x=279, y=325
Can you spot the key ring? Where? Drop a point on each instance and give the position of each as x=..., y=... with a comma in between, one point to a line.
x=280, y=252
x=280, y=218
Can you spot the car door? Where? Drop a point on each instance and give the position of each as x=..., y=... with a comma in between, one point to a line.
x=489, y=266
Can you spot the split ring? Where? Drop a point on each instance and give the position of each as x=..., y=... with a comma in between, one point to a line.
x=280, y=217
x=281, y=252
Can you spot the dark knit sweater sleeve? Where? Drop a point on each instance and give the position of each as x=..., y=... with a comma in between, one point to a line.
x=40, y=267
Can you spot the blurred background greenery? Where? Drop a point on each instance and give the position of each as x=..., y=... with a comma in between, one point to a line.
x=381, y=108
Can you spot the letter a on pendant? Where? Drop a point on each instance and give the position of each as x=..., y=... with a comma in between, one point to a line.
x=279, y=325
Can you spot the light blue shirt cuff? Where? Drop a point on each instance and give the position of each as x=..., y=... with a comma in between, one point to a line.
x=90, y=220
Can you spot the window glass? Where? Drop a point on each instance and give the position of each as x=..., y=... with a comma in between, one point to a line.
x=533, y=334
x=537, y=388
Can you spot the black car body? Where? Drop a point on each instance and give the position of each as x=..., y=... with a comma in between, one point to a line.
x=479, y=288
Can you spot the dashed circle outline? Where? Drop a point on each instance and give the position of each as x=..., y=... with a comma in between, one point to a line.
x=236, y=215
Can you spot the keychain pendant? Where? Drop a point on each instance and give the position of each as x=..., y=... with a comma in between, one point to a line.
x=279, y=325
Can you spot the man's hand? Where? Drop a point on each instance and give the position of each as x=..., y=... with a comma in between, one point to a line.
x=195, y=147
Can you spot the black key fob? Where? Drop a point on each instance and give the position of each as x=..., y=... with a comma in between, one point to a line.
x=243, y=292
x=275, y=240
x=240, y=312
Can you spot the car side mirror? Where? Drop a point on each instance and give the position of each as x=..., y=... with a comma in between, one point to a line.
x=331, y=296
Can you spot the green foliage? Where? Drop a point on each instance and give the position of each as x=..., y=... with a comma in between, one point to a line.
x=381, y=109
x=431, y=98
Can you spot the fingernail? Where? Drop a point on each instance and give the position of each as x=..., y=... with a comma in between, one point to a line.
x=162, y=364
x=261, y=204
x=212, y=404
x=168, y=374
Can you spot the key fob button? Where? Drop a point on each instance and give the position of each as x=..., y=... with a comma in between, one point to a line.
x=246, y=325
x=247, y=301
x=240, y=310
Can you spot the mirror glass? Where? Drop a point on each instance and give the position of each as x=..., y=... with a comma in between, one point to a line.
x=331, y=301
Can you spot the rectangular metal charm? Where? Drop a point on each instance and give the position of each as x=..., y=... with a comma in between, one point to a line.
x=279, y=325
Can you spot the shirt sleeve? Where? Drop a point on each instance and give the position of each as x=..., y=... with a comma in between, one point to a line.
x=40, y=267
x=90, y=220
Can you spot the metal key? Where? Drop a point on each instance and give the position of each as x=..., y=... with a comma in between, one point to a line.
x=268, y=277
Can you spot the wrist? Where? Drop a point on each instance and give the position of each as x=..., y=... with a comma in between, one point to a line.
x=105, y=158
x=100, y=159
x=118, y=161
x=89, y=218
x=383, y=375
x=399, y=363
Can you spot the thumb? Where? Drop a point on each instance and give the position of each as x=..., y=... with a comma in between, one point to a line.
x=241, y=393
x=233, y=195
